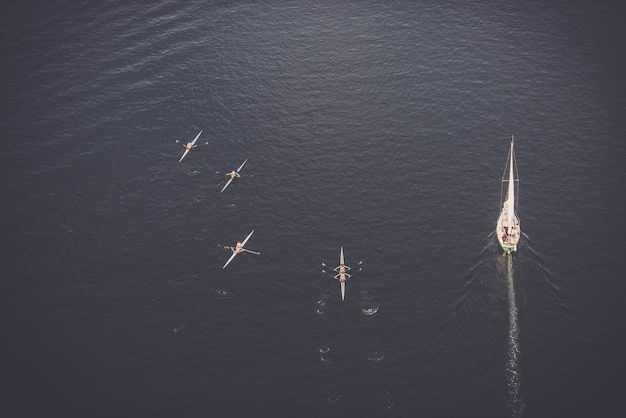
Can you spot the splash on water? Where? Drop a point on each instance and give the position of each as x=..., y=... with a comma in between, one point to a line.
x=322, y=355
x=320, y=305
x=368, y=308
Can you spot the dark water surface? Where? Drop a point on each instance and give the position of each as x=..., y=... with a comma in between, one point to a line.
x=382, y=127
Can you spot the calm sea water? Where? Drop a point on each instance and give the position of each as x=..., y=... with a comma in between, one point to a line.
x=382, y=127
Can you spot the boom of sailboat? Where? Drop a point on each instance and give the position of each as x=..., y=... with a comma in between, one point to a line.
x=508, y=225
x=238, y=248
x=233, y=174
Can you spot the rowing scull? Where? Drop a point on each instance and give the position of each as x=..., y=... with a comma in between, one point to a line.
x=189, y=146
x=239, y=249
x=233, y=174
x=342, y=274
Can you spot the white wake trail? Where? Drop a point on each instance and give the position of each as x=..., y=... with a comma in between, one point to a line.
x=515, y=402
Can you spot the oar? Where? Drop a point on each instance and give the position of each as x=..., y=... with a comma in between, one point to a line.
x=195, y=145
x=251, y=252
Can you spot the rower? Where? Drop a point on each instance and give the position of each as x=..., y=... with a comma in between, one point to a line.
x=234, y=174
x=342, y=273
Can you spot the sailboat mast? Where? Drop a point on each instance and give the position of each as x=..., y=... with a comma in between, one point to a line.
x=511, y=192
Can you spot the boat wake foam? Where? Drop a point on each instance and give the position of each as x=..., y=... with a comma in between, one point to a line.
x=515, y=402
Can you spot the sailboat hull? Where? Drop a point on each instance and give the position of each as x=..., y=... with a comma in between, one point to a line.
x=508, y=242
x=507, y=228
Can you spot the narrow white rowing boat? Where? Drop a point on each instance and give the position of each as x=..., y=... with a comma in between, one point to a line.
x=233, y=174
x=239, y=249
x=342, y=274
x=193, y=144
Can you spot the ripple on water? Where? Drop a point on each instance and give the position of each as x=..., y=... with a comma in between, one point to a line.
x=364, y=295
x=226, y=291
x=322, y=355
x=374, y=357
x=388, y=401
x=320, y=305
x=368, y=308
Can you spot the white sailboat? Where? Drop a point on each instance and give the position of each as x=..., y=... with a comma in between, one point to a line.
x=508, y=226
